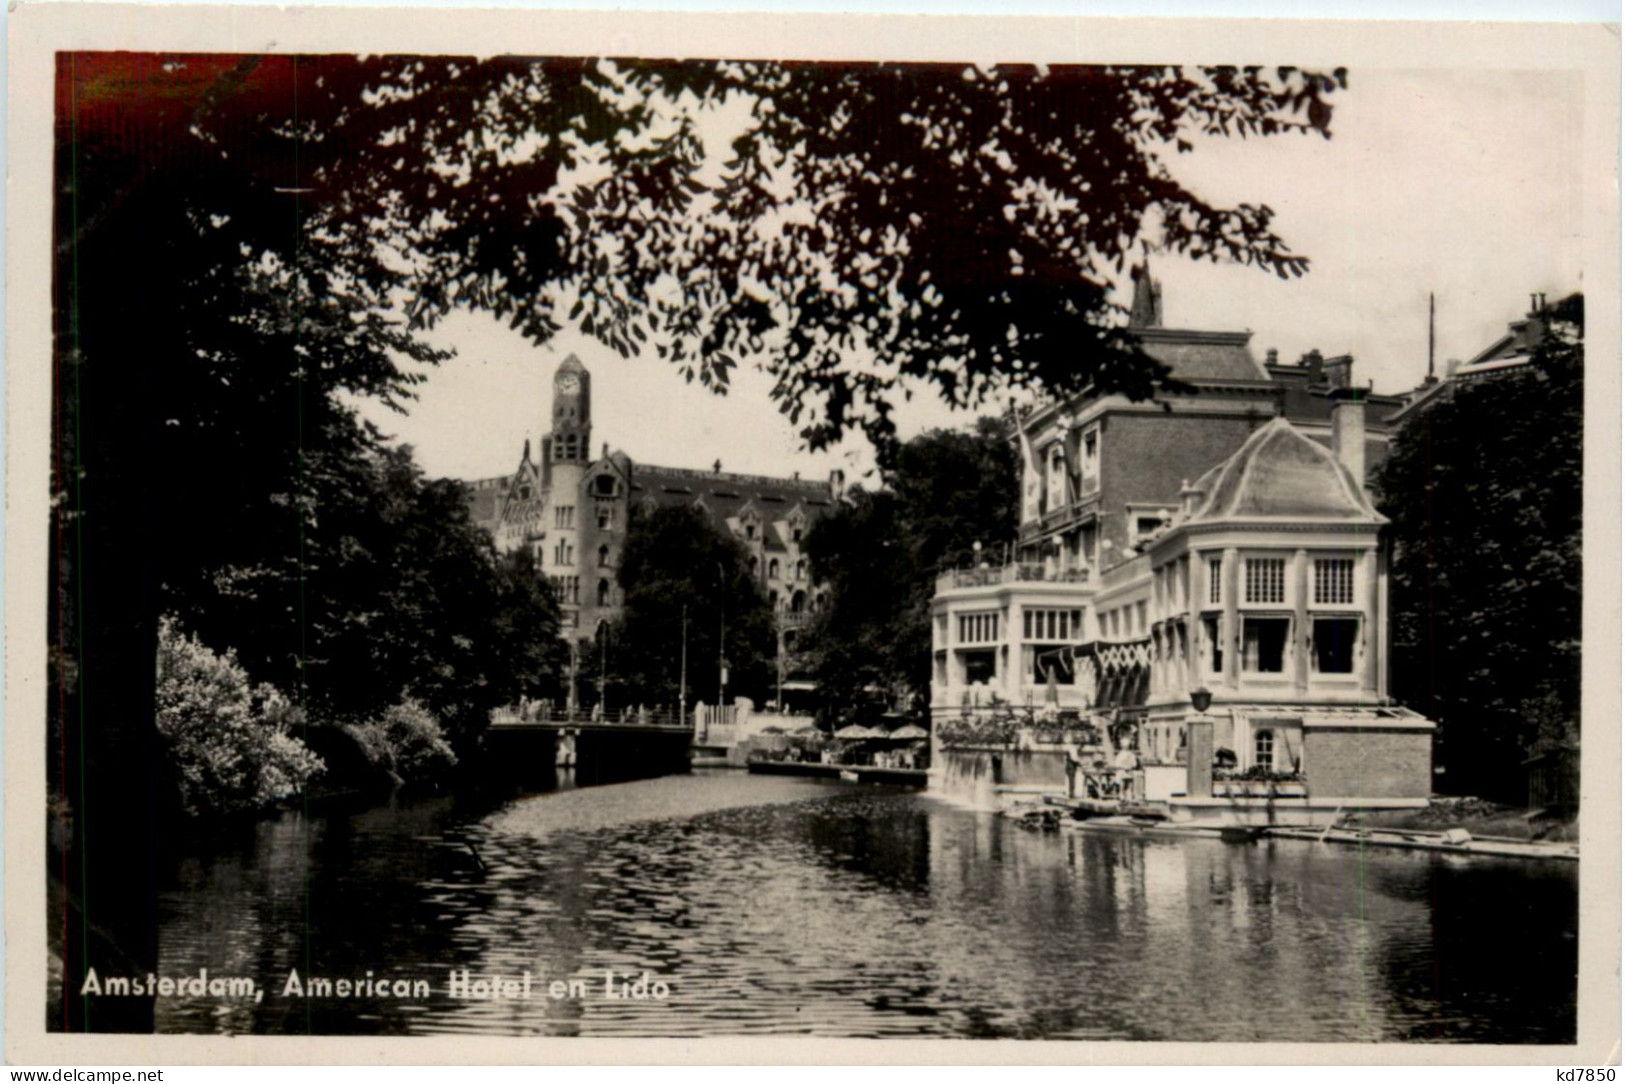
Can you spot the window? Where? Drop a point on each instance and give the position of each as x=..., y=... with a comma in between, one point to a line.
x=1145, y=527
x=1215, y=581
x=606, y=517
x=795, y=535
x=981, y=667
x=1052, y=625
x=801, y=570
x=604, y=485
x=750, y=532
x=1139, y=616
x=1091, y=454
x=1057, y=478
x=1334, y=581
x=603, y=592
x=524, y=492
x=773, y=569
x=570, y=446
x=564, y=553
x=772, y=600
x=1215, y=644
x=1264, y=749
x=982, y=628
x=603, y=556
x=1266, y=579
x=564, y=516
x=1334, y=644
x=1263, y=644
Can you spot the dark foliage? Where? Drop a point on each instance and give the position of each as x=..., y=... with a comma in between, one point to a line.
x=881, y=554
x=1484, y=488
x=675, y=563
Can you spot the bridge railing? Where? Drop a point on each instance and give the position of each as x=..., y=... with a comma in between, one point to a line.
x=546, y=715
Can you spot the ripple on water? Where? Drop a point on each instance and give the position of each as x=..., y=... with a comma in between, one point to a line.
x=777, y=906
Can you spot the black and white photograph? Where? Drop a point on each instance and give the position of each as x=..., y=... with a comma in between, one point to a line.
x=576, y=528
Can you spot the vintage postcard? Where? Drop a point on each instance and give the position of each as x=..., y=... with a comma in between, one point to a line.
x=585, y=537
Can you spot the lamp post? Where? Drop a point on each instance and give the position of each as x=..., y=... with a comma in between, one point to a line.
x=722, y=636
x=603, y=642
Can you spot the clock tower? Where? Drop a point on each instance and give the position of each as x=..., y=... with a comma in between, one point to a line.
x=568, y=451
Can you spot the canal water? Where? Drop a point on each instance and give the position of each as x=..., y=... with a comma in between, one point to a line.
x=779, y=906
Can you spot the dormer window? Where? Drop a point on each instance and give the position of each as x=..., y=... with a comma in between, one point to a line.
x=750, y=532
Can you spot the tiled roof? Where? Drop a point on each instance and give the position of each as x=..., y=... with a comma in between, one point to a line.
x=723, y=496
x=1202, y=355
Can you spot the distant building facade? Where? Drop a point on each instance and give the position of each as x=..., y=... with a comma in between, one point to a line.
x=572, y=509
x=1220, y=540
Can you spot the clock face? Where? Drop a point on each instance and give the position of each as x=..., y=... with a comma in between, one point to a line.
x=568, y=383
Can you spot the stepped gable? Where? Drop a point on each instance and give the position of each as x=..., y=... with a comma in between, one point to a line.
x=1280, y=473
x=1202, y=355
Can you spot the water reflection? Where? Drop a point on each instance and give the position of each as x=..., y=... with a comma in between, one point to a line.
x=778, y=906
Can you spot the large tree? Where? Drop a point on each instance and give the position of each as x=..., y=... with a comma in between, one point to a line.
x=688, y=593
x=1484, y=490
x=856, y=230
x=881, y=553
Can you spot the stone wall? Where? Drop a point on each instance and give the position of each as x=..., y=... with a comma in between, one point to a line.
x=1361, y=763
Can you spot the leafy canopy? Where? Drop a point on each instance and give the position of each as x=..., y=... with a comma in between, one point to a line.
x=856, y=230
x=1484, y=491
x=881, y=553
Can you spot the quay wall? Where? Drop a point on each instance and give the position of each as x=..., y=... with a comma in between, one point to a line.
x=977, y=776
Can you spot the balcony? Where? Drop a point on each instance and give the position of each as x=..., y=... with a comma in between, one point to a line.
x=992, y=577
x=794, y=619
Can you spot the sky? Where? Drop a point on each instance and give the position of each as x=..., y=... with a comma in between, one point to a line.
x=1462, y=183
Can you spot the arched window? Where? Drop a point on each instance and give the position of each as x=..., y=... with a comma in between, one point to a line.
x=801, y=570
x=773, y=569
x=773, y=600
x=603, y=556
x=755, y=566
x=603, y=592
x=798, y=602
x=1264, y=749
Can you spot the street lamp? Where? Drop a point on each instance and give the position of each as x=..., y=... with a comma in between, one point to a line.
x=1201, y=699
x=603, y=641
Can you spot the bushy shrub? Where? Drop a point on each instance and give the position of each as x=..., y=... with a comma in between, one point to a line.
x=230, y=743
x=406, y=741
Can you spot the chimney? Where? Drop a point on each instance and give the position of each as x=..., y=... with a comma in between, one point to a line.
x=1339, y=371
x=1312, y=362
x=1272, y=356
x=1348, y=430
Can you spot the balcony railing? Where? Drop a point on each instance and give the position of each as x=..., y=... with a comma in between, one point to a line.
x=793, y=619
x=991, y=577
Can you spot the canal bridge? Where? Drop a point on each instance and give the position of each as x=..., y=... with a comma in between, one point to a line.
x=596, y=746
